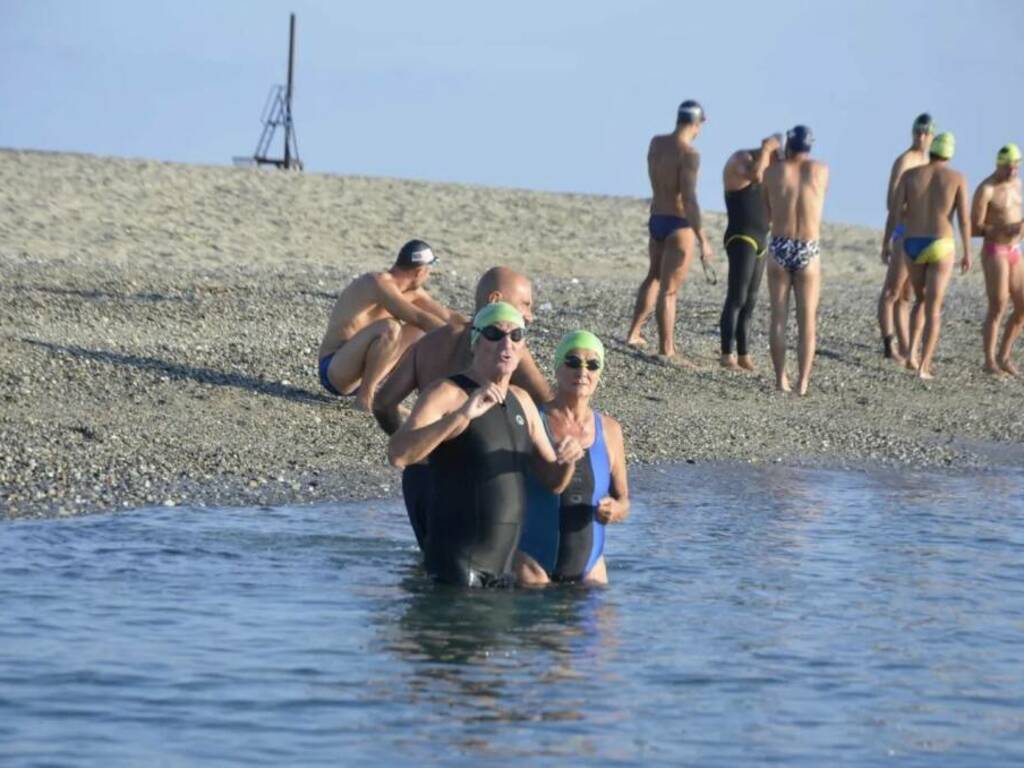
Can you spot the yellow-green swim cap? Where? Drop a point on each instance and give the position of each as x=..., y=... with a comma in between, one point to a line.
x=943, y=146
x=498, y=312
x=578, y=340
x=1008, y=155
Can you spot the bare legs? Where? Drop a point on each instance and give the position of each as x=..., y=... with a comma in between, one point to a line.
x=894, y=306
x=364, y=360
x=779, y=284
x=997, y=286
x=669, y=264
x=806, y=286
x=646, y=295
x=930, y=282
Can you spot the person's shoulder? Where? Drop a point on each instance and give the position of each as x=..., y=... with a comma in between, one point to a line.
x=741, y=157
x=611, y=424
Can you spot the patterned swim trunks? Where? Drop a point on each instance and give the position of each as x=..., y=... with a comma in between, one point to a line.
x=791, y=254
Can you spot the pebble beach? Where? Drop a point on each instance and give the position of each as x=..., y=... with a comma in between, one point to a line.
x=159, y=325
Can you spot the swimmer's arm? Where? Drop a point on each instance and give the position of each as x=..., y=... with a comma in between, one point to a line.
x=964, y=220
x=767, y=201
x=769, y=146
x=894, y=177
x=528, y=376
x=433, y=420
x=393, y=391
x=979, y=209
x=425, y=301
x=553, y=471
x=615, y=507
x=402, y=309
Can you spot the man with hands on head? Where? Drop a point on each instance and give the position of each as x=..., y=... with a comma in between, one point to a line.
x=479, y=433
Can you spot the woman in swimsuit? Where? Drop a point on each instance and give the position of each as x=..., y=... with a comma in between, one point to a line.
x=563, y=534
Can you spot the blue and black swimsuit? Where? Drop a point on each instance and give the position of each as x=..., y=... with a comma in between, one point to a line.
x=561, y=532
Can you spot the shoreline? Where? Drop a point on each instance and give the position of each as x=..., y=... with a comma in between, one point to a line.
x=160, y=324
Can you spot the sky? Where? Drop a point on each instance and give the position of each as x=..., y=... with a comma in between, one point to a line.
x=556, y=95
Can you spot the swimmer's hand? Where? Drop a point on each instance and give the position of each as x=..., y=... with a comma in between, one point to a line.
x=568, y=451
x=885, y=253
x=707, y=253
x=965, y=263
x=481, y=401
x=605, y=512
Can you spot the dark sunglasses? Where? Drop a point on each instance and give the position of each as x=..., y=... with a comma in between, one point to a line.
x=574, y=362
x=494, y=333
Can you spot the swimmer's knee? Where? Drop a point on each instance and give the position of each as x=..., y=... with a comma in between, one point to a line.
x=390, y=330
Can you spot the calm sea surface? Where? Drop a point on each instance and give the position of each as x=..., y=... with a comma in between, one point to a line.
x=755, y=616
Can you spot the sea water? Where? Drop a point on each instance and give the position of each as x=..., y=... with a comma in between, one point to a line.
x=755, y=615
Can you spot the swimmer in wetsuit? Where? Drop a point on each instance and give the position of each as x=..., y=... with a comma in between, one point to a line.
x=674, y=228
x=996, y=216
x=479, y=434
x=444, y=352
x=925, y=201
x=563, y=537
x=746, y=241
x=894, y=301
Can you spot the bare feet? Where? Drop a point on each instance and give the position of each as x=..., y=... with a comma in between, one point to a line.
x=911, y=363
x=801, y=387
x=729, y=363
x=782, y=384
x=897, y=358
x=678, y=361
x=636, y=341
x=925, y=373
x=744, y=362
x=1009, y=367
x=995, y=370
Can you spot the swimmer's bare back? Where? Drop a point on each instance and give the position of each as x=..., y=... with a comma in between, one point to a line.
x=367, y=299
x=667, y=158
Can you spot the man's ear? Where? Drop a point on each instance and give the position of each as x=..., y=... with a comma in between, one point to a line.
x=494, y=296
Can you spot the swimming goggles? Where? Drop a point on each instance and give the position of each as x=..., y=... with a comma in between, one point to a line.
x=494, y=333
x=575, y=362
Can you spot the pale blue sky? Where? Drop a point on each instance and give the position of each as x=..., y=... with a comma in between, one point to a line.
x=544, y=95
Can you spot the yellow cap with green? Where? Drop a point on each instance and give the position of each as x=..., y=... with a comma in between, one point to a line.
x=578, y=340
x=943, y=146
x=1008, y=155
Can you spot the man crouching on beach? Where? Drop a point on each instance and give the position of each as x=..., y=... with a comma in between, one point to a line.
x=375, y=319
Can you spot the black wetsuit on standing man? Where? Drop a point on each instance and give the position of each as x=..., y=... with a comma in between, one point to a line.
x=746, y=238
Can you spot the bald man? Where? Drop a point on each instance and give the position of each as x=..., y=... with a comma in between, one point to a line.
x=446, y=351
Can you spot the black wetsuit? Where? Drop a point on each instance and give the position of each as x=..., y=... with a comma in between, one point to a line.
x=479, y=496
x=746, y=238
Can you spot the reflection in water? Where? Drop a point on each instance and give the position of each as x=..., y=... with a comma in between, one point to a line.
x=468, y=646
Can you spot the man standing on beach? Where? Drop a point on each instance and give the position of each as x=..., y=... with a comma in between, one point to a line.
x=674, y=227
x=925, y=201
x=444, y=352
x=894, y=301
x=996, y=216
x=374, y=320
x=794, y=192
x=746, y=242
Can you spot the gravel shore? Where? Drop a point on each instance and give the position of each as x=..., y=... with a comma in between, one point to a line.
x=160, y=325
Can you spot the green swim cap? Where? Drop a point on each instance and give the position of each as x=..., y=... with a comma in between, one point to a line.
x=578, y=340
x=943, y=146
x=498, y=312
x=1008, y=155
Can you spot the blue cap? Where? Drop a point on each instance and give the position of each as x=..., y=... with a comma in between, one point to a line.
x=799, y=138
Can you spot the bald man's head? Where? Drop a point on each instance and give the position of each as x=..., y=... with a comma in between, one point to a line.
x=504, y=284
